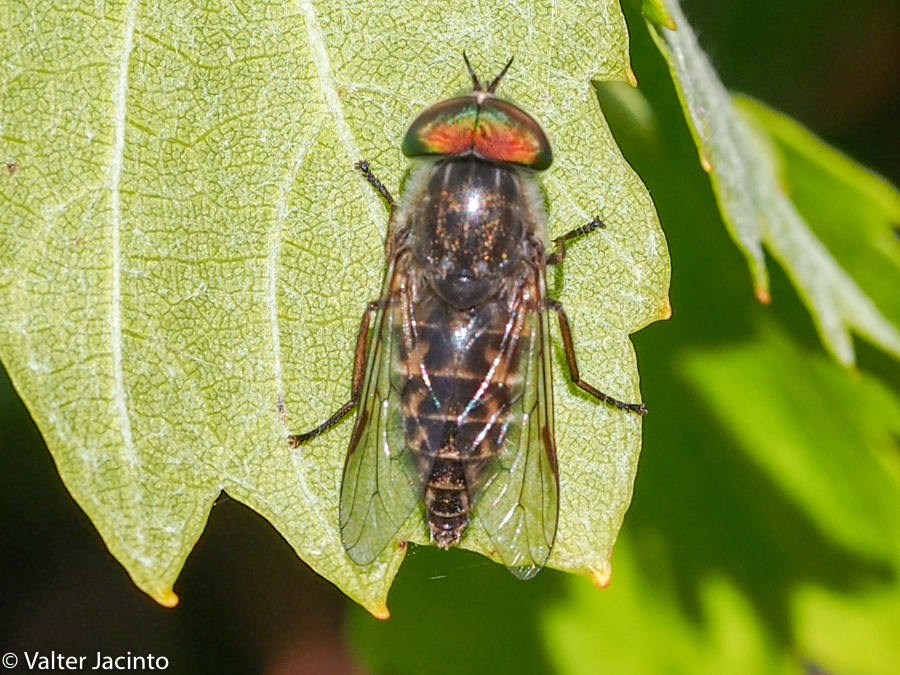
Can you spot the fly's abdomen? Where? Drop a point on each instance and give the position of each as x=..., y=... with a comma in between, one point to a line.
x=454, y=405
x=446, y=497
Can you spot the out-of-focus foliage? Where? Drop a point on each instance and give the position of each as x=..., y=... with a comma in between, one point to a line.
x=853, y=211
x=757, y=213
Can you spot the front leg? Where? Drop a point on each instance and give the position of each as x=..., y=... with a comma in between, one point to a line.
x=560, y=242
x=363, y=166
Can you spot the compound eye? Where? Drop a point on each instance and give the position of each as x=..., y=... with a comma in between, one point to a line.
x=506, y=133
x=493, y=129
x=446, y=128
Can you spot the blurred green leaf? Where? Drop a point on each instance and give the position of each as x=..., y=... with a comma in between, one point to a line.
x=754, y=207
x=186, y=251
x=854, y=211
x=657, y=12
x=639, y=627
x=828, y=439
x=825, y=436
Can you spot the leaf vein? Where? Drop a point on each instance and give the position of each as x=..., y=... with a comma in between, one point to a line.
x=120, y=93
x=332, y=99
x=275, y=241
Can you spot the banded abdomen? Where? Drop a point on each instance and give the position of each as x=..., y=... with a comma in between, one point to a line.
x=460, y=378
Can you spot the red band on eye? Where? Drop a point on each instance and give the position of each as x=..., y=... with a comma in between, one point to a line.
x=448, y=138
x=502, y=143
x=492, y=129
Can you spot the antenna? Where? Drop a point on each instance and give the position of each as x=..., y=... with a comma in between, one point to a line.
x=496, y=81
x=475, y=83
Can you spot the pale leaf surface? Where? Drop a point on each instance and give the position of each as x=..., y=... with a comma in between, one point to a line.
x=186, y=249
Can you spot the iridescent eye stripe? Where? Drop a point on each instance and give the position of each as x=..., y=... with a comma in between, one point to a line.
x=494, y=130
x=446, y=128
x=450, y=136
x=497, y=139
x=506, y=133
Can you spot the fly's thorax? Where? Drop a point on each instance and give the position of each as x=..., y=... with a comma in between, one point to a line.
x=469, y=224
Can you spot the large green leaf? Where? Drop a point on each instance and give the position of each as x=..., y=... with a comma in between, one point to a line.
x=753, y=205
x=186, y=251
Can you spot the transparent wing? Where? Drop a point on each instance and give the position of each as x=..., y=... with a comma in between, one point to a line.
x=378, y=490
x=518, y=500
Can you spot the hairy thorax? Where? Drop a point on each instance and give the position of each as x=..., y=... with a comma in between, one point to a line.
x=468, y=227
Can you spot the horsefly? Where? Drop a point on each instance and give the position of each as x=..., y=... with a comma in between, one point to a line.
x=453, y=362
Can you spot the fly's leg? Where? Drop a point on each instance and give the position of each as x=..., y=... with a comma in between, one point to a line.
x=363, y=166
x=359, y=369
x=560, y=242
x=566, y=333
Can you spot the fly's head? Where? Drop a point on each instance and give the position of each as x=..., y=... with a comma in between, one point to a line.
x=480, y=125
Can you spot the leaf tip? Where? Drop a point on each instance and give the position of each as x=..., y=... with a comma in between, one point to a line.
x=665, y=311
x=630, y=76
x=601, y=578
x=763, y=295
x=705, y=162
x=165, y=597
x=380, y=611
x=656, y=12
